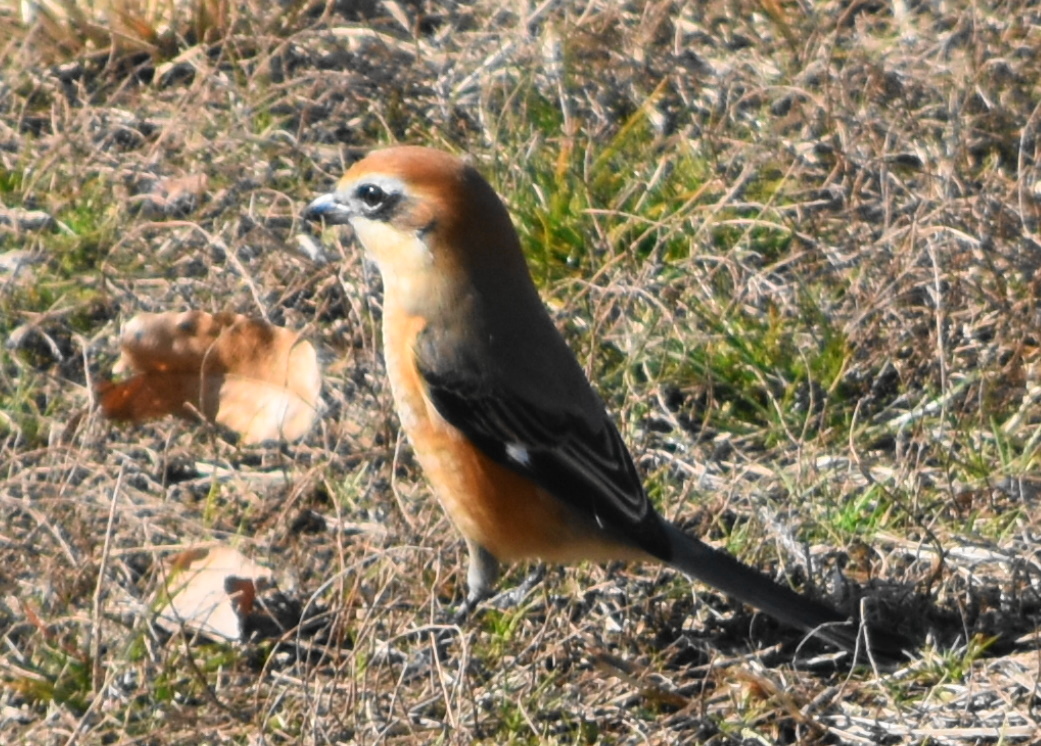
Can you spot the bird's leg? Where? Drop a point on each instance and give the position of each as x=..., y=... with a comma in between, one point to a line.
x=482, y=574
x=480, y=578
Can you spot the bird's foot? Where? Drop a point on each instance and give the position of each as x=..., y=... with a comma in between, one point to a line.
x=513, y=597
x=507, y=599
x=462, y=615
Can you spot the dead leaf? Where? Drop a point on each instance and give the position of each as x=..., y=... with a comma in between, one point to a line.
x=212, y=592
x=174, y=195
x=259, y=380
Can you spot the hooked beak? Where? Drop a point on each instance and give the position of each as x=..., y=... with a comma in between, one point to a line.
x=328, y=209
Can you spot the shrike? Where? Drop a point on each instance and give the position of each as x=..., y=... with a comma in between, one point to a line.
x=516, y=445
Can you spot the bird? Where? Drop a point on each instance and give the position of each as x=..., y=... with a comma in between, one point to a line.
x=516, y=445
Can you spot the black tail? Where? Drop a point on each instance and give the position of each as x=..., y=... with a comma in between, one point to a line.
x=723, y=572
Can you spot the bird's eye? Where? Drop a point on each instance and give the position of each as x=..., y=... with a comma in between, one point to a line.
x=371, y=195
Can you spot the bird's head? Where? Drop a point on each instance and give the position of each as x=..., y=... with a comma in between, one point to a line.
x=423, y=216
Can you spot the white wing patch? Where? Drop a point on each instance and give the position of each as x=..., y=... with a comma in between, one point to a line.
x=518, y=453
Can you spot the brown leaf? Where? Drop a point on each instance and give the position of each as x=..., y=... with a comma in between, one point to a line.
x=212, y=591
x=174, y=195
x=256, y=379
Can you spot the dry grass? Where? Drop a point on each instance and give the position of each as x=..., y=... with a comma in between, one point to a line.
x=795, y=244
